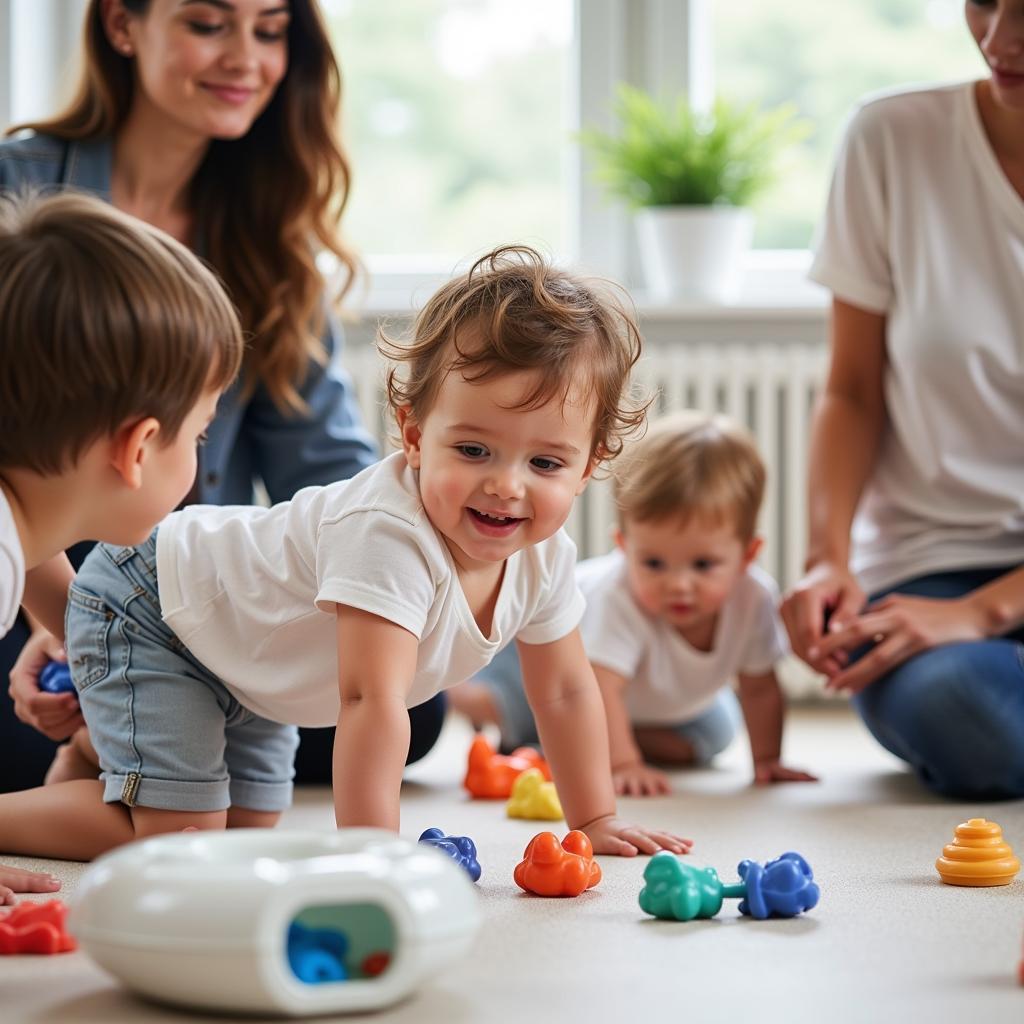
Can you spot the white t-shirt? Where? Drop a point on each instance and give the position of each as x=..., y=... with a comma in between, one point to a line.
x=252, y=591
x=12, y=567
x=668, y=680
x=923, y=226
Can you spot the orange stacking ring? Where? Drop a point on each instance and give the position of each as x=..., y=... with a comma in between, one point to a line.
x=977, y=856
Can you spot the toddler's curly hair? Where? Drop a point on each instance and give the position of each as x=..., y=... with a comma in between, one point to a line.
x=514, y=311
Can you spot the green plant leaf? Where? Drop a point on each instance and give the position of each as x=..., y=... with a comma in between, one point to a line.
x=667, y=154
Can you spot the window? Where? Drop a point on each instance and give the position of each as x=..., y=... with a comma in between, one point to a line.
x=823, y=56
x=456, y=116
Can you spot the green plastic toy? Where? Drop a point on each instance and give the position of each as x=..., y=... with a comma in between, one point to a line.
x=783, y=887
x=681, y=892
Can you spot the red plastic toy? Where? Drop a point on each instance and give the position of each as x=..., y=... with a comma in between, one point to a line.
x=376, y=964
x=489, y=776
x=36, y=928
x=550, y=868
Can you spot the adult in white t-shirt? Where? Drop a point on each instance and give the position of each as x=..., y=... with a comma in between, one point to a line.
x=917, y=455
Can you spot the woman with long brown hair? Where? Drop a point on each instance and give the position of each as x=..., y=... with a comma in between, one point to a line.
x=216, y=121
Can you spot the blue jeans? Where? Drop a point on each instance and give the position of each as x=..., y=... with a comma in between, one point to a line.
x=954, y=713
x=709, y=733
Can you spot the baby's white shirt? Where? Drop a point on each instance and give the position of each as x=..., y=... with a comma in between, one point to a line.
x=252, y=591
x=12, y=567
x=667, y=679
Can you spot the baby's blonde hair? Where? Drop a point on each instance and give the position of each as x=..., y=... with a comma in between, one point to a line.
x=514, y=311
x=690, y=465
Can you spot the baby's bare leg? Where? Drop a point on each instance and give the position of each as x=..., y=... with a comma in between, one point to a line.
x=76, y=759
x=475, y=701
x=70, y=821
x=151, y=821
x=663, y=746
x=242, y=817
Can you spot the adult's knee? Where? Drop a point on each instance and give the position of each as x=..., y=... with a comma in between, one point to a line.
x=956, y=714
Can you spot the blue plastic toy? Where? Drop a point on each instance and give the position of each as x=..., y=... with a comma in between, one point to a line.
x=461, y=849
x=56, y=678
x=317, y=955
x=784, y=887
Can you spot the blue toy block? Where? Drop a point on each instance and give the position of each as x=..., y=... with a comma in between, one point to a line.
x=461, y=849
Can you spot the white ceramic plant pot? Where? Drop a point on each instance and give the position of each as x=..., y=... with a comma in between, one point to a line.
x=694, y=253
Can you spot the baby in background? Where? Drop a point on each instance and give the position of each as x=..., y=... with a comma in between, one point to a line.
x=674, y=614
x=115, y=344
x=198, y=652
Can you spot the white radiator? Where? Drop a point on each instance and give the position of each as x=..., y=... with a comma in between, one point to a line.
x=768, y=386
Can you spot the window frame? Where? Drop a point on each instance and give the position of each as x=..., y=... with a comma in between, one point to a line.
x=663, y=46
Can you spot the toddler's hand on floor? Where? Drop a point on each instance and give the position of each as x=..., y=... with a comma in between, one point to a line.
x=14, y=880
x=767, y=772
x=639, y=779
x=618, y=837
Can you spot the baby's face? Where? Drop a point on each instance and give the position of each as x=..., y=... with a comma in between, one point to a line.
x=494, y=478
x=683, y=573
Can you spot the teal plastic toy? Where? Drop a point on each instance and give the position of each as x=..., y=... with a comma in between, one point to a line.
x=676, y=891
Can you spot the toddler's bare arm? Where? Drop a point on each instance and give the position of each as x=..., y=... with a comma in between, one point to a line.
x=376, y=665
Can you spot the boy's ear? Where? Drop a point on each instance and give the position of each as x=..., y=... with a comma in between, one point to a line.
x=129, y=449
x=412, y=435
x=620, y=538
x=753, y=550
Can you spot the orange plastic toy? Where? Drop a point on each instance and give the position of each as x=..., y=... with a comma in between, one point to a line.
x=550, y=868
x=977, y=856
x=489, y=776
x=36, y=928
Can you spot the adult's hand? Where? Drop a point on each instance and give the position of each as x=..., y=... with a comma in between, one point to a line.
x=899, y=626
x=828, y=593
x=56, y=715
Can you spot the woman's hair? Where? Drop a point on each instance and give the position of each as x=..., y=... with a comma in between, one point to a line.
x=688, y=466
x=103, y=320
x=262, y=201
x=513, y=311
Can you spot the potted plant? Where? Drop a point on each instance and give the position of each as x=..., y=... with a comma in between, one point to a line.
x=691, y=176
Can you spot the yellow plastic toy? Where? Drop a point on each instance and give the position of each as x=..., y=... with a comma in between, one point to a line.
x=534, y=798
x=978, y=856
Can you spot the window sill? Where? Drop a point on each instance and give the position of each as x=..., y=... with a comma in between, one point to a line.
x=774, y=287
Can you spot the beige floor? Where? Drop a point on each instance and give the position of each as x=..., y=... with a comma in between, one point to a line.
x=888, y=942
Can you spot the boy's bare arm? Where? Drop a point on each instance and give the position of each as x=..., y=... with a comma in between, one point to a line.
x=46, y=593
x=631, y=776
x=376, y=665
x=566, y=703
x=763, y=710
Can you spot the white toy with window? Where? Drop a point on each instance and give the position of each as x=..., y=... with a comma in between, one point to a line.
x=258, y=921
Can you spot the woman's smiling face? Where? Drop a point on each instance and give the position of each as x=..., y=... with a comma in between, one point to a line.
x=207, y=66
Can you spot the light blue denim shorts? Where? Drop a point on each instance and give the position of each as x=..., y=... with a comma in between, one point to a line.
x=168, y=733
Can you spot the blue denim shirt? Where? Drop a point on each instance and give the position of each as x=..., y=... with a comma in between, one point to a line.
x=250, y=439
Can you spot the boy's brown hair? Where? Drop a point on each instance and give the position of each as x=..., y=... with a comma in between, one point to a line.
x=513, y=311
x=688, y=466
x=103, y=320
